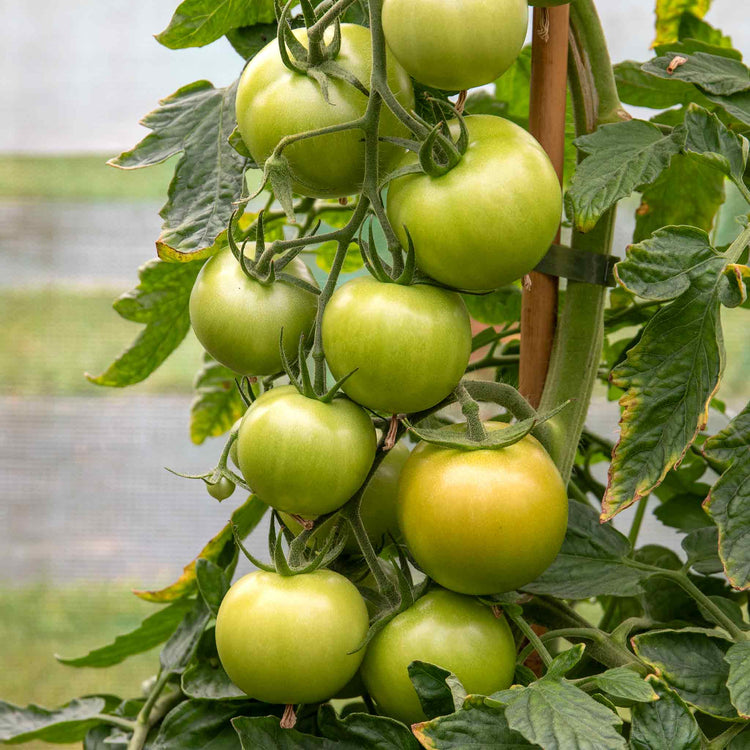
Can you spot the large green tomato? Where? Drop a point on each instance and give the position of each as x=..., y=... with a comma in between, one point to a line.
x=454, y=632
x=455, y=45
x=274, y=102
x=289, y=640
x=484, y=521
x=378, y=507
x=489, y=220
x=302, y=456
x=409, y=345
x=239, y=320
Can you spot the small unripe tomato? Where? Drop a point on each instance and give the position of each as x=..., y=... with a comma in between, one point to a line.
x=238, y=320
x=291, y=639
x=304, y=456
x=455, y=45
x=222, y=489
x=455, y=632
x=483, y=521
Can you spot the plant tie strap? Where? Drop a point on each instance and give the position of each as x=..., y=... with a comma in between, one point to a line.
x=579, y=265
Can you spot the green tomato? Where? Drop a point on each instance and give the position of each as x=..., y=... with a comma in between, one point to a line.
x=409, y=345
x=222, y=489
x=455, y=45
x=484, y=521
x=454, y=632
x=488, y=221
x=239, y=320
x=274, y=102
x=302, y=456
x=290, y=640
x=378, y=507
x=233, y=447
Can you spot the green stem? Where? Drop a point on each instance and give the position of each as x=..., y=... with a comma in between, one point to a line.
x=474, y=428
x=116, y=721
x=534, y=640
x=635, y=528
x=723, y=740
x=146, y=716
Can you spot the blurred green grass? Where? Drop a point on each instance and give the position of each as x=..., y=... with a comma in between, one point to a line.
x=80, y=178
x=39, y=620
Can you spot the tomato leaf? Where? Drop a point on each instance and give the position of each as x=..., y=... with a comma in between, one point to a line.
x=477, y=724
x=246, y=518
x=196, y=23
x=69, y=723
x=197, y=121
x=556, y=715
x=181, y=645
x=155, y=629
x=213, y=584
x=728, y=503
x=639, y=88
x=591, y=562
x=205, y=678
x=701, y=546
x=624, y=683
x=264, y=733
x=439, y=691
x=199, y=725
x=664, y=724
x=621, y=158
x=713, y=74
x=161, y=302
x=495, y=308
x=670, y=375
x=669, y=14
x=217, y=404
x=738, y=682
x=691, y=661
x=364, y=731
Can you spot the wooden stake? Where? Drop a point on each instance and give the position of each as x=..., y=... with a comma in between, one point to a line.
x=549, y=64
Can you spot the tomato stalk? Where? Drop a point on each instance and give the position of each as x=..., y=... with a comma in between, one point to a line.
x=579, y=340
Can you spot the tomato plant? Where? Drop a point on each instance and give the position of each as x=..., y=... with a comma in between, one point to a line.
x=507, y=500
x=490, y=220
x=483, y=521
x=458, y=46
x=451, y=631
x=288, y=640
x=304, y=456
x=406, y=345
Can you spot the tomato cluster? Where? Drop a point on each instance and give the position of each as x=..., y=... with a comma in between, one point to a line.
x=479, y=521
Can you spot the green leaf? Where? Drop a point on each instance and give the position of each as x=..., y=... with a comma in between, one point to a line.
x=213, y=584
x=249, y=40
x=326, y=253
x=669, y=16
x=365, y=731
x=264, y=733
x=692, y=662
x=621, y=158
x=246, y=518
x=591, y=561
x=702, y=548
x=181, y=645
x=738, y=683
x=556, y=715
x=709, y=138
x=713, y=74
x=664, y=724
x=496, y=308
x=69, y=723
x=205, y=678
x=160, y=301
x=199, y=725
x=154, y=630
x=476, y=725
x=197, y=121
x=728, y=503
x=217, y=404
x=684, y=512
x=512, y=89
x=689, y=191
x=624, y=683
x=692, y=27
x=196, y=23
x=671, y=374
x=642, y=89
x=439, y=691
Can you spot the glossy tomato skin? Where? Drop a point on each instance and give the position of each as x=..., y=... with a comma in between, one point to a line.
x=274, y=102
x=378, y=507
x=452, y=631
x=458, y=45
x=302, y=456
x=287, y=640
x=488, y=221
x=239, y=320
x=409, y=345
x=485, y=521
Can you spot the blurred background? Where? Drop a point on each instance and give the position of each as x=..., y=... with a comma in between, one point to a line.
x=88, y=511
